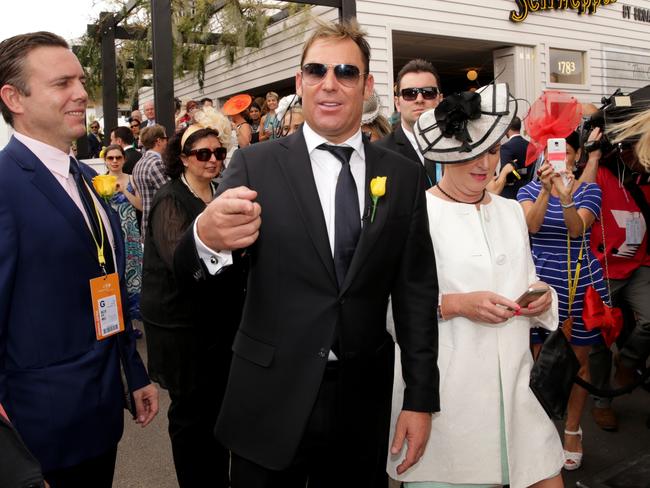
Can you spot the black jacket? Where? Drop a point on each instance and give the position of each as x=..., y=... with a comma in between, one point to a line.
x=399, y=143
x=294, y=308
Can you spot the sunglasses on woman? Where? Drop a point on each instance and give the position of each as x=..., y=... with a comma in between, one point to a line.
x=114, y=158
x=428, y=93
x=346, y=74
x=204, y=154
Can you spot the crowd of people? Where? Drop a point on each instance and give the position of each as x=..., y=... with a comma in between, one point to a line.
x=261, y=246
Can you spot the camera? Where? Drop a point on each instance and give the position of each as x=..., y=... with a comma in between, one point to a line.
x=616, y=108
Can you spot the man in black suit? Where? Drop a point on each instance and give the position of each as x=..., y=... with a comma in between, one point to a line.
x=124, y=137
x=514, y=152
x=308, y=396
x=417, y=90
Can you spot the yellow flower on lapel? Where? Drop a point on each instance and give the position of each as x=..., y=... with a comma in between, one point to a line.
x=377, y=190
x=105, y=186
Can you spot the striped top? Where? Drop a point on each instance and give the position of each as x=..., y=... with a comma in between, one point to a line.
x=549, y=247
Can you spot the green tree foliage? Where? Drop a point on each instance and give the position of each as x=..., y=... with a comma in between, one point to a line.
x=238, y=24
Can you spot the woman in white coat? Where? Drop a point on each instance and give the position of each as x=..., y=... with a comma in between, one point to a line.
x=491, y=430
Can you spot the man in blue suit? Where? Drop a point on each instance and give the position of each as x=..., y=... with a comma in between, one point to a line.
x=61, y=382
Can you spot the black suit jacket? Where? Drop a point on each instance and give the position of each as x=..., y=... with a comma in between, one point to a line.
x=515, y=148
x=397, y=141
x=132, y=157
x=294, y=306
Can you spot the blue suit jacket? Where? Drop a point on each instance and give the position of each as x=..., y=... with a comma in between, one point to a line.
x=59, y=385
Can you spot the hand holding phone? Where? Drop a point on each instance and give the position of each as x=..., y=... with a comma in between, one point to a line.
x=556, y=151
x=530, y=295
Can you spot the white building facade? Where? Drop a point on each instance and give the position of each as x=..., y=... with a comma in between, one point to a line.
x=588, y=48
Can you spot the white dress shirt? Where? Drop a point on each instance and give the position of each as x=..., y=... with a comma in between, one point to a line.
x=58, y=163
x=326, y=169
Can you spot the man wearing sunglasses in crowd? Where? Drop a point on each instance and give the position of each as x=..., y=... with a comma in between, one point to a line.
x=308, y=396
x=417, y=90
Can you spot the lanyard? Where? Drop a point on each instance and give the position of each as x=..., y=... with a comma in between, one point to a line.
x=100, y=223
x=573, y=281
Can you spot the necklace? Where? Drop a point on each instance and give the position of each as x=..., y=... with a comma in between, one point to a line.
x=460, y=201
x=189, y=187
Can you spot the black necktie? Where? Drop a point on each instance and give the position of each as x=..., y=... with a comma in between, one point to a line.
x=347, y=220
x=91, y=213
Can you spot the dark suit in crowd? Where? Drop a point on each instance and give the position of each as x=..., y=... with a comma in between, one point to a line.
x=60, y=386
x=398, y=142
x=515, y=149
x=295, y=313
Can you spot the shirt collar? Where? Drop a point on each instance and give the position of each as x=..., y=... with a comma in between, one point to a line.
x=411, y=137
x=54, y=159
x=313, y=140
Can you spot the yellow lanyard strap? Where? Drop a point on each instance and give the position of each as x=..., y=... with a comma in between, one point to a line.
x=573, y=281
x=99, y=245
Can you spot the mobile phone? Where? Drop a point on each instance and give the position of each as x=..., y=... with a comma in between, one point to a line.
x=530, y=295
x=556, y=150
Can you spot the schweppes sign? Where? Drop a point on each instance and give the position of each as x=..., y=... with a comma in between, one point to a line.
x=580, y=6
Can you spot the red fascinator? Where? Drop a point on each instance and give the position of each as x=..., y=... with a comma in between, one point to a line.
x=555, y=114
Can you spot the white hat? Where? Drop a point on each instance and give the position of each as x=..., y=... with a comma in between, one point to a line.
x=371, y=108
x=465, y=125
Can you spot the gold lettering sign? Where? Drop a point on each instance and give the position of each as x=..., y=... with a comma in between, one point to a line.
x=581, y=6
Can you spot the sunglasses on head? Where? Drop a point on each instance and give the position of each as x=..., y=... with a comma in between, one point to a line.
x=346, y=74
x=204, y=154
x=428, y=93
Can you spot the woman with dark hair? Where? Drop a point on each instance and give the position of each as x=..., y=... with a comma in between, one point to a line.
x=255, y=115
x=125, y=201
x=560, y=212
x=190, y=326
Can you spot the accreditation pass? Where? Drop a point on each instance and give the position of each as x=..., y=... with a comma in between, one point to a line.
x=107, y=305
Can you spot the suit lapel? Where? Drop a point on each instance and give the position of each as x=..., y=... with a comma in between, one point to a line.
x=43, y=180
x=371, y=230
x=295, y=165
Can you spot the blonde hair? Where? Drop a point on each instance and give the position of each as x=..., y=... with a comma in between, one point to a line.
x=638, y=127
x=348, y=29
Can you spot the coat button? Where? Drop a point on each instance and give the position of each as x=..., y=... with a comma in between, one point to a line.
x=323, y=352
x=501, y=259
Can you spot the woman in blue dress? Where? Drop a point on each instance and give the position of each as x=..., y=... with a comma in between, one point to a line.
x=556, y=206
x=125, y=201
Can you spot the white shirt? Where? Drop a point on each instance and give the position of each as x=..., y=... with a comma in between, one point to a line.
x=326, y=169
x=58, y=163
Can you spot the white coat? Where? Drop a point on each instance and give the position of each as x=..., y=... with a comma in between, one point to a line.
x=477, y=251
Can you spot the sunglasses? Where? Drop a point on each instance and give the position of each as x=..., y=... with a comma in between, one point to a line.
x=134, y=126
x=204, y=154
x=428, y=93
x=114, y=158
x=94, y=127
x=346, y=74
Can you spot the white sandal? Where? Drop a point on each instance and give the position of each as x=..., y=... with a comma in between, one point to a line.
x=573, y=460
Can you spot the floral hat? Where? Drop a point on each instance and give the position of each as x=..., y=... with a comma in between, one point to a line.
x=466, y=125
x=210, y=118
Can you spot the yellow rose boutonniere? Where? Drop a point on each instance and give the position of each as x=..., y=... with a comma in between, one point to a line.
x=105, y=186
x=377, y=190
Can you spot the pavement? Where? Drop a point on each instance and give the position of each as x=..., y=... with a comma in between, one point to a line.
x=144, y=458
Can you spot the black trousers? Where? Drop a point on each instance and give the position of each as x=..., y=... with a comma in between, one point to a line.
x=200, y=460
x=96, y=472
x=326, y=457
